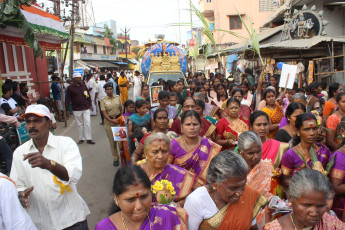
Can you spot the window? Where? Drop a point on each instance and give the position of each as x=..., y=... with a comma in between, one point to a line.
x=95, y=49
x=267, y=5
x=235, y=22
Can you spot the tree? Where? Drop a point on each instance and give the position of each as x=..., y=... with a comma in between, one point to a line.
x=136, y=51
x=109, y=34
x=10, y=15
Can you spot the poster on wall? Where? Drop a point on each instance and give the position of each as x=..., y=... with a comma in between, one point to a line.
x=288, y=75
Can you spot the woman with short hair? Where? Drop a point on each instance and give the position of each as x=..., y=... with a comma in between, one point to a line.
x=133, y=207
x=260, y=171
x=190, y=151
x=226, y=202
x=308, y=192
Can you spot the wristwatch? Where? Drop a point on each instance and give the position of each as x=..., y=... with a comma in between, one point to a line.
x=53, y=163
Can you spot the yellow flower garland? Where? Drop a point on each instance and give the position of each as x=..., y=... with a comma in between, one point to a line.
x=63, y=187
x=159, y=186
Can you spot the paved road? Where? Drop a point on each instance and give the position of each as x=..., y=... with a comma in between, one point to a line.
x=95, y=185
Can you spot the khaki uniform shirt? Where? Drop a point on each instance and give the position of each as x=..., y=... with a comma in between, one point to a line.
x=112, y=105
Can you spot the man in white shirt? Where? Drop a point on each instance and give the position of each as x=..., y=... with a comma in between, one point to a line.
x=46, y=170
x=12, y=214
x=8, y=106
x=100, y=93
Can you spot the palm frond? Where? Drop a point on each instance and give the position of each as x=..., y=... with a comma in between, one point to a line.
x=330, y=165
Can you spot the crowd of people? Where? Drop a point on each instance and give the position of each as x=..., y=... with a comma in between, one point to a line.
x=214, y=154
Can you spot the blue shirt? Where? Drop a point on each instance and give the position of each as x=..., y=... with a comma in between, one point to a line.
x=56, y=90
x=111, y=80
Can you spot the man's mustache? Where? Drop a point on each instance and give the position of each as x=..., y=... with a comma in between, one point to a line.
x=33, y=130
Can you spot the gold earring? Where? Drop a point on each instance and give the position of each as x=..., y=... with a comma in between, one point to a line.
x=116, y=202
x=214, y=188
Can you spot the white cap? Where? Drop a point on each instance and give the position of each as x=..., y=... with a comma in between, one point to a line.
x=39, y=110
x=77, y=75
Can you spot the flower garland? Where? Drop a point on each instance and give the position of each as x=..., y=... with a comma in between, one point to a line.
x=63, y=187
x=160, y=189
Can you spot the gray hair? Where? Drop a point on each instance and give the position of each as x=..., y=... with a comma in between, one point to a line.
x=226, y=164
x=199, y=95
x=246, y=139
x=272, y=88
x=299, y=96
x=308, y=180
x=154, y=137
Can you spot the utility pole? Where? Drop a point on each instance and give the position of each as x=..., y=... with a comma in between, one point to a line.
x=126, y=32
x=71, y=61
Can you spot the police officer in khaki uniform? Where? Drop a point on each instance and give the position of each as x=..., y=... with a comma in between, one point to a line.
x=111, y=108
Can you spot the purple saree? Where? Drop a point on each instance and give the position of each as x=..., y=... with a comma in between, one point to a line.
x=181, y=179
x=160, y=217
x=197, y=160
x=291, y=162
x=338, y=172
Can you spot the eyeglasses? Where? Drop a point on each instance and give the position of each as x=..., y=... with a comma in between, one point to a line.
x=189, y=106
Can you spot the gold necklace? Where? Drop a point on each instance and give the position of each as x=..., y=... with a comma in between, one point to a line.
x=293, y=221
x=124, y=222
x=186, y=143
x=303, y=153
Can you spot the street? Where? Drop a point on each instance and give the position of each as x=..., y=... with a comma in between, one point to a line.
x=95, y=185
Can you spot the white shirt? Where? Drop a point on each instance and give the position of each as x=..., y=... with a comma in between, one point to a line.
x=47, y=207
x=199, y=206
x=11, y=102
x=100, y=90
x=12, y=213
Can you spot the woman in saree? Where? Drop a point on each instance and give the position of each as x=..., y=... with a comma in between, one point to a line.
x=333, y=137
x=309, y=191
x=229, y=128
x=222, y=95
x=260, y=171
x=157, y=147
x=133, y=208
x=161, y=125
x=138, y=124
x=226, y=202
x=245, y=110
x=331, y=105
x=337, y=175
x=304, y=143
x=286, y=133
x=190, y=151
x=271, y=149
x=123, y=84
x=273, y=110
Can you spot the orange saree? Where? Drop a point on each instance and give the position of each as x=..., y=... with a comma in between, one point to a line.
x=239, y=215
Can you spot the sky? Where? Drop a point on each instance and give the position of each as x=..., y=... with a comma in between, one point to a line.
x=145, y=18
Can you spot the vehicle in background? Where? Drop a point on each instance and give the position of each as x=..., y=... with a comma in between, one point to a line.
x=164, y=61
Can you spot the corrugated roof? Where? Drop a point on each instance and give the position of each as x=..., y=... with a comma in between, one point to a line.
x=302, y=43
x=262, y=36
x=89, y=39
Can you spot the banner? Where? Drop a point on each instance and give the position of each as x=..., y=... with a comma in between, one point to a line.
x=311, y=72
